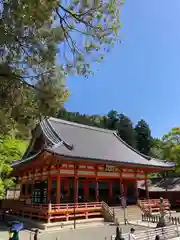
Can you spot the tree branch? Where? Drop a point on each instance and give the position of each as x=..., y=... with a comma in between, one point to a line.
x=11, y=76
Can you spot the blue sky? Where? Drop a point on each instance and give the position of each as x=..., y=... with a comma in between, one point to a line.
x=141, y=76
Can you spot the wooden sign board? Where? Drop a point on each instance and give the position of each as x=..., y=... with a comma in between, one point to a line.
x=109, y=168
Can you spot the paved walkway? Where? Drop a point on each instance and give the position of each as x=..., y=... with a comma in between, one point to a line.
x=90, y=233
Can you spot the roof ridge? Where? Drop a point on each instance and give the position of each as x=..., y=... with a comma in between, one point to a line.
x=48, y=132
x=81, y=125
x=66, y=144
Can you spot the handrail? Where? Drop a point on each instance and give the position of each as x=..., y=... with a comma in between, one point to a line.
x=54, y=206
x=104, y=204
x=76, y=205
x=110, y=211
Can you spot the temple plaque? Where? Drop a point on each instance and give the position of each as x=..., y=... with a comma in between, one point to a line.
x=109, y=168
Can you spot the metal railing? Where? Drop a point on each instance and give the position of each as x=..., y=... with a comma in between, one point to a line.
x=150, y=234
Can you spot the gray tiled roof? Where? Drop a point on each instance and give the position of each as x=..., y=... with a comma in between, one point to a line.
x=160, y=185
x=85, y=142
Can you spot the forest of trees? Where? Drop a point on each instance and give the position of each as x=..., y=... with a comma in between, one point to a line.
x=138, y=135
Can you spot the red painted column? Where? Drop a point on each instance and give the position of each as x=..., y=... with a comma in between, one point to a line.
x=97, y=187
x=121, y=188
x=75, y=184
x=97, y=190
x=58, y=190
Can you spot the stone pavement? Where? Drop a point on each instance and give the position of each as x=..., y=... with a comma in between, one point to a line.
x=90, y=233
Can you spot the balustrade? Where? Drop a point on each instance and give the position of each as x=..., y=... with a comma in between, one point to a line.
x=53, y=212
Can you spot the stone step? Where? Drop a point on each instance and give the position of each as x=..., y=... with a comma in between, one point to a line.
x=132, y=212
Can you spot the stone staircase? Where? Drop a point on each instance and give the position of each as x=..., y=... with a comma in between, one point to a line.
x=133, y=213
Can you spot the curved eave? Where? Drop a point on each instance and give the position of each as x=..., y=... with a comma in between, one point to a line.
x=166, y=163
x=26, y=160
x=107, y=161
x=152, y=165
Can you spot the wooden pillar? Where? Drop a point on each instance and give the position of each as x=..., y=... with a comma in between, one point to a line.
x=146, y=186
x=58, y=190
x=97, y=186
x=49, y=188
x=76, y=187
x=121, y=188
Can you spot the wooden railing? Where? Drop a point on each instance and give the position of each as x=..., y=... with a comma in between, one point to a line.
x=76, y=205
x=149, y=206
x=54, y=212
x=144, y=207
x=71, y=211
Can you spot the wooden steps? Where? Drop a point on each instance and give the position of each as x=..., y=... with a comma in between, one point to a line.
x=132, y=213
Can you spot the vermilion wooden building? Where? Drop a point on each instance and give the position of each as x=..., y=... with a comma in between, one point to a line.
x=72, y=163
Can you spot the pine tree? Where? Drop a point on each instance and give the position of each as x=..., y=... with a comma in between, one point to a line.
x=126, y=130
x=35, y=34
x=143, y=137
